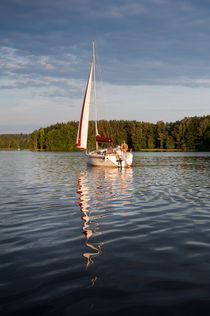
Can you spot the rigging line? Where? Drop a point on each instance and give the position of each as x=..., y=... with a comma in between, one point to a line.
x=94, y=83
x=99, y=74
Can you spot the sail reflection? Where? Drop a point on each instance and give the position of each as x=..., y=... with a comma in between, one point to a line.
x=82, y=190
x=101, y=192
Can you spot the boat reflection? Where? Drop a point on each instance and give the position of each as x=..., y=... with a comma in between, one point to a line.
x=101, y=192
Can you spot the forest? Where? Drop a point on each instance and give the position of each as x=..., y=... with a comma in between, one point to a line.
x=188, y=134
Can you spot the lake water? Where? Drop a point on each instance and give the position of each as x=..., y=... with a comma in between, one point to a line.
x=76, y=240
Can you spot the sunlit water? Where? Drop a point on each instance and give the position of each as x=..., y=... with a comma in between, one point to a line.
x=77, y=241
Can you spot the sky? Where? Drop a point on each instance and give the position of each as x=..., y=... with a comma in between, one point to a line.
x=152, y=60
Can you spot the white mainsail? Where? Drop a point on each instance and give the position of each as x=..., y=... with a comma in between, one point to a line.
x=82, y=132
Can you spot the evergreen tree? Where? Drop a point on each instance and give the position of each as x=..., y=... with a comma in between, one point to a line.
x=191, y=133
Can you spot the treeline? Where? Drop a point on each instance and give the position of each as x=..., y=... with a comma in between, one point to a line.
x=189, y=134
x=16, y=141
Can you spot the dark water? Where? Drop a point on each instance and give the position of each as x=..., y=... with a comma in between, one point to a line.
x=88, y=241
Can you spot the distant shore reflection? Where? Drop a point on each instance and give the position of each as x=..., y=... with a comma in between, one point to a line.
x=100, y=190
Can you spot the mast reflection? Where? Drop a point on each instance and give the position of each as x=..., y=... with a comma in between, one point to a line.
x=100, y=191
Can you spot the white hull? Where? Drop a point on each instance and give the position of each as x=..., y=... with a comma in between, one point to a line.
x=118, y=160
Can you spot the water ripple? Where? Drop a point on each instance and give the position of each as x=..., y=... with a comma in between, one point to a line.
x=89, y=241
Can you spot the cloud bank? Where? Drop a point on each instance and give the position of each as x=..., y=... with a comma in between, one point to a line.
x=144, y=48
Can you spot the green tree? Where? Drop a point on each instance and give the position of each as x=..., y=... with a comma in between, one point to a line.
x=41, y=139
x=34, y=138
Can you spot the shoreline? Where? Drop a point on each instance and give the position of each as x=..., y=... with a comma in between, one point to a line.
x=142, y=150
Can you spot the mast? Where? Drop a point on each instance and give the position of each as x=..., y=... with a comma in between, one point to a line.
x=94, y=86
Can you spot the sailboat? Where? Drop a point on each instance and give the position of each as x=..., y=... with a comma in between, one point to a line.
x=119, y=156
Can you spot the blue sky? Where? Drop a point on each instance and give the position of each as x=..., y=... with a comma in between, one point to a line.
x=152, y=57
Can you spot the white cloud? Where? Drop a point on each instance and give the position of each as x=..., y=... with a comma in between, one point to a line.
x=38, y=75
x=13, y=62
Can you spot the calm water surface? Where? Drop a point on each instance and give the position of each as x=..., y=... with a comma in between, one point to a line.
x=89, y=241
